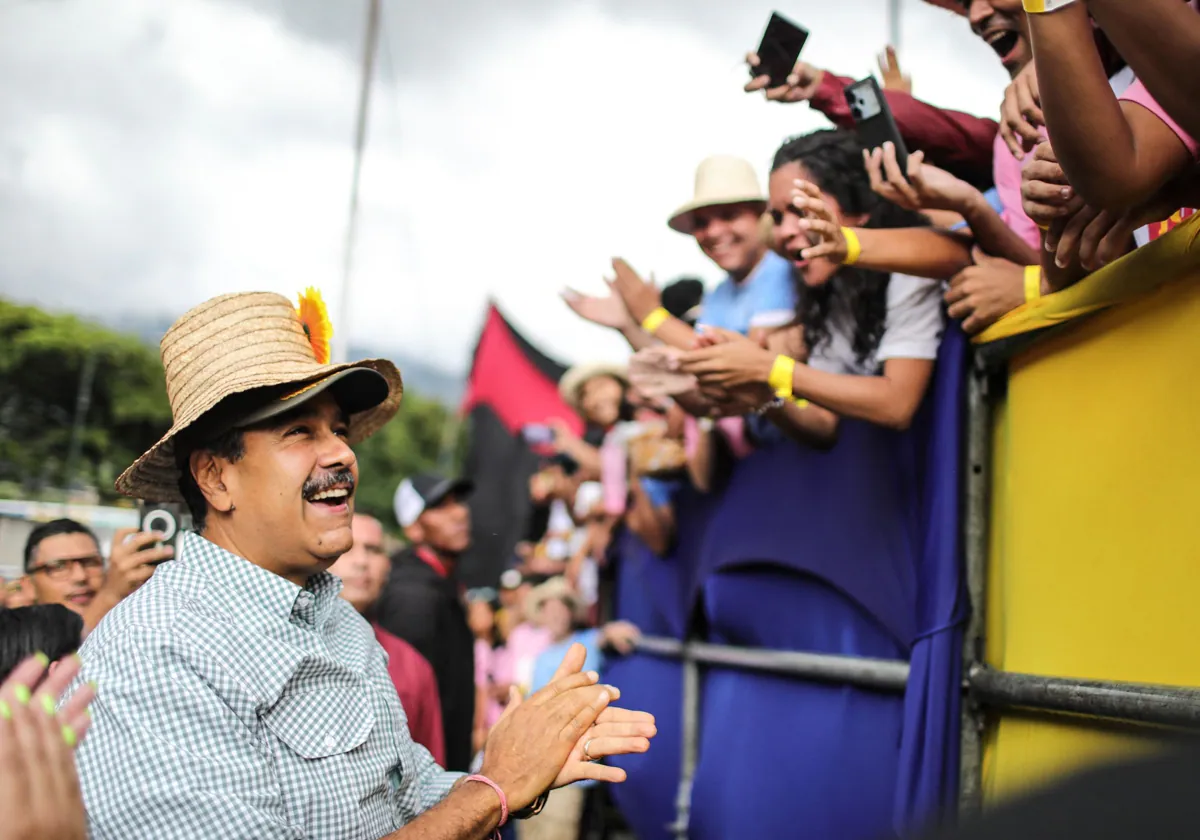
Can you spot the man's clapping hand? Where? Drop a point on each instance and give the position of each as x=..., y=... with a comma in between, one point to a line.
x=552, y=738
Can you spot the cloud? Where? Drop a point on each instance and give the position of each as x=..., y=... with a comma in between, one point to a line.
x=156, y=154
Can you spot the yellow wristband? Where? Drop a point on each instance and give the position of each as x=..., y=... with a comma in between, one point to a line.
x=655, y=320
x=799, y=403
x=780, y=378
x=853, y=246
x=1033, y=282
x=1040, y=7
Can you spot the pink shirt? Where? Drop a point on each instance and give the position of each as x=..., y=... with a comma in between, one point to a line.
x=1137, y=92
x=515, y=665
x=485, y=659
x=1006, y=170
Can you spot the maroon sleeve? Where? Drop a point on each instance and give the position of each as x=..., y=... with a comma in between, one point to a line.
x=957, y=142
x=425, y=719
x=416, y=685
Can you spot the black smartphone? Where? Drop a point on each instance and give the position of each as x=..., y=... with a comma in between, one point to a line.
x=873, y=118
x=779, y=50
x=167, y=518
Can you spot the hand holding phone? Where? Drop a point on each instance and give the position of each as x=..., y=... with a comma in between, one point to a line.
x=873, y=120
x=779, y=50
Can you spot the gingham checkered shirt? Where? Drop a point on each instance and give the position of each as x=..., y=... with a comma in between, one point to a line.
x=234, y=704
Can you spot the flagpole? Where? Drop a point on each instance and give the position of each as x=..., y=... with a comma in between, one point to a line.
x=341, y=336
x=894, y=23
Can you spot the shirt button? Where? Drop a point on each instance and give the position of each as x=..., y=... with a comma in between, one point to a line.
x=330, y=741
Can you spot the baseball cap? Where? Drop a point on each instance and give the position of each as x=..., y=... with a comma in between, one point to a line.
x=417, y=494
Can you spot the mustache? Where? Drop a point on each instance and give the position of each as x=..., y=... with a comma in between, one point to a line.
x=320, y=483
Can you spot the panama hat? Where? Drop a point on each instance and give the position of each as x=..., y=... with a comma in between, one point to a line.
x=555, y=589
x=571, y=385
x=240, y=359
x=720, y=179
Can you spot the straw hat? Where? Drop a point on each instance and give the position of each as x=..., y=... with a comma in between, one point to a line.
x=953, y=5
x=720, y=179
x=571, y=385
x=242, y=358
x=555, y=589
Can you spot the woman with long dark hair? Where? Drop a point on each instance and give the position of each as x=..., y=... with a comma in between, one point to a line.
x=871, y=328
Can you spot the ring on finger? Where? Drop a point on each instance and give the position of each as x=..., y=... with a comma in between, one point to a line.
x=587, y=752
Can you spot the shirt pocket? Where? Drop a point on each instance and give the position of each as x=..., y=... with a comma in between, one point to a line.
x=321, y=723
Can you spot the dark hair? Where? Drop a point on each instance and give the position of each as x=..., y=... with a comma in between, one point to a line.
x=833, y=159
x=53, y=529
x=50, y=628
x=682, y=296
x=230, y=445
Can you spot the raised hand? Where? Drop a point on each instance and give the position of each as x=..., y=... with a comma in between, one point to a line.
x=821, y=222
x=1021, y=117
x=890, y=73
x=923, y=187
x=540, y=742
x=1046, y=195
x=640, y=297
x=801, y=85
x=982, y=294
x=39, y=788
x=608, y=311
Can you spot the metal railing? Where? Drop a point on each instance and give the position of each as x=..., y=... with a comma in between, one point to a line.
x=984, y=688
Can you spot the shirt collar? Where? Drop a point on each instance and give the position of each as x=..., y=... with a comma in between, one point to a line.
x=262, y=592
x=759, y=267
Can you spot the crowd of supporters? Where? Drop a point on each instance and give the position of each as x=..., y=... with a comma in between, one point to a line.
x=845, y=270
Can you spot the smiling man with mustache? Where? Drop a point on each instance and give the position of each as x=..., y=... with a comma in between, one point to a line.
x=240, y=695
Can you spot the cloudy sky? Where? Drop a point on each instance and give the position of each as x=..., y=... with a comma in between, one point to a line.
x=153, y=153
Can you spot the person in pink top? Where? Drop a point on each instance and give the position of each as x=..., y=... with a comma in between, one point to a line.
x=1120, y=154
x=364, y=572
x=490, y=698
x=1161, y=41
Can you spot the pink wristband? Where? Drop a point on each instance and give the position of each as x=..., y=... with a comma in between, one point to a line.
x=503, y=799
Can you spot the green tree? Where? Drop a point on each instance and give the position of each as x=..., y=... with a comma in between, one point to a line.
x=410, y=444
x=42, y=358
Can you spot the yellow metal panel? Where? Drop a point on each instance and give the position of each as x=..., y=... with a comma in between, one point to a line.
x=1095, y=566
x=1163, y=261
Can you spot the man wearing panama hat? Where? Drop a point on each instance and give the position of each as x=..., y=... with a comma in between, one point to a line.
x=241, y=696
x=725, y=216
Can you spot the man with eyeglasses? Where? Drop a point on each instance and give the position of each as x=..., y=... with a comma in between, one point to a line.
x=63, y=565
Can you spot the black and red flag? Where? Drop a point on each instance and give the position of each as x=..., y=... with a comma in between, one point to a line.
x=512, y=385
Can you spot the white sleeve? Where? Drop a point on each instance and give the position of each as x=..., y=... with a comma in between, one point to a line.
x=914, y=319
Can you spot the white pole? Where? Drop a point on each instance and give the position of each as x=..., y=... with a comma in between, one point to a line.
x=341, y=332
x=894, y=23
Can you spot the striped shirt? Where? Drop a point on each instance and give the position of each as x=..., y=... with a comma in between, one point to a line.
x=233, y=703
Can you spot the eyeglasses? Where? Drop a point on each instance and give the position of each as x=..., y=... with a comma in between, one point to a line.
x=60, y=569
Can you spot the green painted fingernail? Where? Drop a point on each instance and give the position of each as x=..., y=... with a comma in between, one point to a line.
x=42, y=659
x=5, y=711
x=48, y=704
x=69, y=737
x=93, y=685
x=21, y=692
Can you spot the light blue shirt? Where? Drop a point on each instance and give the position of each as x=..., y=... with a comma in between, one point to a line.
x=767, y=298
